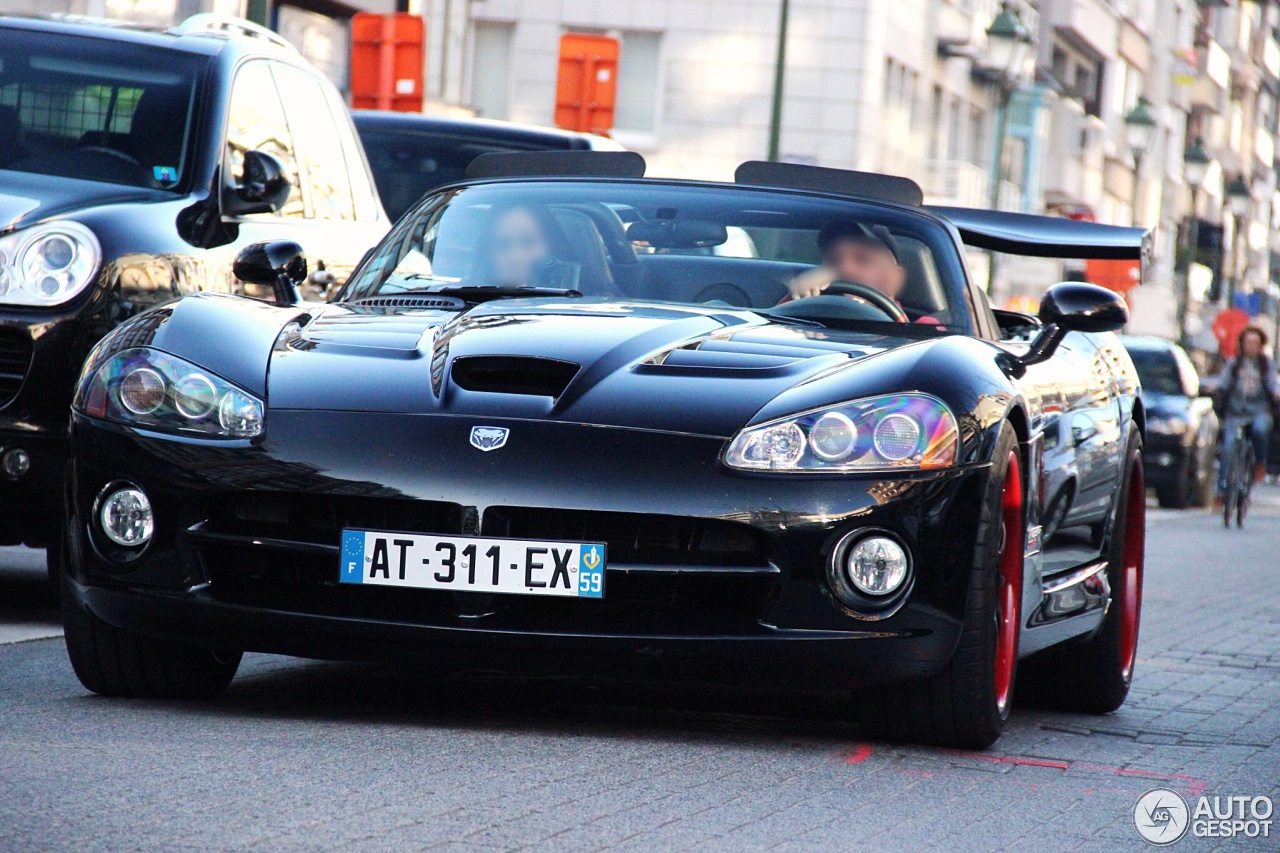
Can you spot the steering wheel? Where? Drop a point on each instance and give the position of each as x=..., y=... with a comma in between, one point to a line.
x=110, y=152
x=868, y=293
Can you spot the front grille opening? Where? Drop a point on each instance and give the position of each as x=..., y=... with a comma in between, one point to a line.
x=500, y=374
x=635, y=538
x=320, y=519
x=15, y=361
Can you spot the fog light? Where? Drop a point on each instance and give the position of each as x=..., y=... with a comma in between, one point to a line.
x=15, y=463
x=876, y=565
x=126, y=517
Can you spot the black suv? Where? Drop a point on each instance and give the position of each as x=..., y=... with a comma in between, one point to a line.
x=134, y=165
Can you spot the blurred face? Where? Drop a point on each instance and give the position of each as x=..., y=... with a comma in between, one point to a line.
x=518, y=244
x=1251, y=345
x=865, y=262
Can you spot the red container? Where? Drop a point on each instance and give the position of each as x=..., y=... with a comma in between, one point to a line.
x=386, y=61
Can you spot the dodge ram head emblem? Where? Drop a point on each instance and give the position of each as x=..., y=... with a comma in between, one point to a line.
x=488, y=438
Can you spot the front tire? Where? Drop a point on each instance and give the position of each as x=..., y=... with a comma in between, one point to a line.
x=1093, y=676
x=113, y=662
x=966, y=704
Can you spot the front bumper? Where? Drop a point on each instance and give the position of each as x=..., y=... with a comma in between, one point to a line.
x=1164, y=459
x=720, y=572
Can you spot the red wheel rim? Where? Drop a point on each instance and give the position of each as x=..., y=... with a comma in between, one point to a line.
x=1129, y=578
x=1009, y=594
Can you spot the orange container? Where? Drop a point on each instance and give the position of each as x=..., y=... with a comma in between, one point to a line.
x=586, y=82
x=386, y=61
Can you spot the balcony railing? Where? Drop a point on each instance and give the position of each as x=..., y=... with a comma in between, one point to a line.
x=956, y=182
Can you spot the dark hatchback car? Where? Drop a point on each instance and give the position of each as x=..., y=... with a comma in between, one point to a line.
x=413, y=154
x=1182, y=430
x=134, y=164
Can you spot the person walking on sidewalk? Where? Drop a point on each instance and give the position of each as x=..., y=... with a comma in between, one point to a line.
x=1245, y=394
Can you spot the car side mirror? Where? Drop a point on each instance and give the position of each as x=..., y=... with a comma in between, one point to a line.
x=278, y=264
x=1074, y=306
x=262, y=186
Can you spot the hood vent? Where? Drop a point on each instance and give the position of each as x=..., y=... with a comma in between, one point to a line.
x=452, y=303
x=503, y=374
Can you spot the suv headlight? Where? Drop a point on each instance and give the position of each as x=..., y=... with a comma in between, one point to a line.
x=896, y=431
x=1166, y=426
x=148, y=388
x=47, y=264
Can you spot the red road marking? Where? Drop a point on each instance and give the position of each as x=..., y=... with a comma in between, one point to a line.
x=1191, y=785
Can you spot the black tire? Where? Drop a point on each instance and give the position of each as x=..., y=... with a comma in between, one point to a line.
x=1093, y=676
x=958, y=707
x=112, y=662
x=53, y=557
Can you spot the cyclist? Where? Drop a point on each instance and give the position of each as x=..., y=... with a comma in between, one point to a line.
x=1246, y=396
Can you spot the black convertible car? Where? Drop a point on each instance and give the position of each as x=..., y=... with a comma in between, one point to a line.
x=542, y=429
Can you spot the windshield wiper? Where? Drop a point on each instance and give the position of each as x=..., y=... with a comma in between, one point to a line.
x=486, y=293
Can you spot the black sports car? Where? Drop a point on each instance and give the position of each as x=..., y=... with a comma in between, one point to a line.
x=541, y=427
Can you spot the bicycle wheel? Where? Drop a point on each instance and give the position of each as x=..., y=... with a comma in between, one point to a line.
x=1246, y=483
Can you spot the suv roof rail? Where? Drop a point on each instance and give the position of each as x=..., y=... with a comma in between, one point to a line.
x=207, y=22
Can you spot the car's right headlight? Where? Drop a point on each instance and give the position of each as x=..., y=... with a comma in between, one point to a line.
x=47, y=264
x=152, y=389
x=886, y=433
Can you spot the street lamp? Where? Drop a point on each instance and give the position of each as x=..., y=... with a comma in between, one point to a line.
x=1195, y=168
x=1239, y=200
x=1139, y=131
x=1010, y=49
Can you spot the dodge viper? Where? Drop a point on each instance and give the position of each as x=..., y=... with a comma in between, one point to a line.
x=564, y=415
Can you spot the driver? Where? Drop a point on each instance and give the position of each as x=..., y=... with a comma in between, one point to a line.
x=854, y=252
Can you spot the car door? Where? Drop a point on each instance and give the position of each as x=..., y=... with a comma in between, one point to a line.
x=343, y=218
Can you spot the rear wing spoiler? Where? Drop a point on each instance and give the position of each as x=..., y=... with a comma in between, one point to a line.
x=1047, y=236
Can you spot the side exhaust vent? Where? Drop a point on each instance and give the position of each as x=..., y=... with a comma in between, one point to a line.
x=502, y=374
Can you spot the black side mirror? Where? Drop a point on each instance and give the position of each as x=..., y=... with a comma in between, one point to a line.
x=278, y=264
x=1074, y=306
x=261, y=187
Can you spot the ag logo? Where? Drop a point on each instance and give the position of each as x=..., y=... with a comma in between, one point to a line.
x=488, y=438
x=1161, y=816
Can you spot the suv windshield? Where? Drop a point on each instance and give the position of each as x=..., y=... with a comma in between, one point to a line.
x=1157, y=371
x=685, y=243
x=101, y=111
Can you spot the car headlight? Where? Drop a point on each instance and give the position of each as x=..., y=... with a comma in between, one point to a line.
x=1166, y=426
x=892, y=432
x=47, y=264
x=148, y=388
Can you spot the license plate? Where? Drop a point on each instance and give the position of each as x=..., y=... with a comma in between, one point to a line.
x=473, y=564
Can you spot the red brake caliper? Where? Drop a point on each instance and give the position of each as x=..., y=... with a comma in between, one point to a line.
x=1009, y=594
x=1129, y=595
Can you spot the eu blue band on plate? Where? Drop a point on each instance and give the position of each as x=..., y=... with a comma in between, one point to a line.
x=352, y=557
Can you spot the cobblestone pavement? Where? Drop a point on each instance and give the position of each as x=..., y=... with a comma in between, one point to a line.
x=301, y=755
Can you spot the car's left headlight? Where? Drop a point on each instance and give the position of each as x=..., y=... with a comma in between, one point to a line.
x=148, y=388
x=47, y=264
x=891, y=432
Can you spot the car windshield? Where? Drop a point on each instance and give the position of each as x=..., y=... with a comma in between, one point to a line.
x=1157, y=371
x=684, y=243
x=101, y=111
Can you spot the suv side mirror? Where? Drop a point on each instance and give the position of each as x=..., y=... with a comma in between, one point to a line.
x=1074, y=306
x=261, y=187
x=278, y=264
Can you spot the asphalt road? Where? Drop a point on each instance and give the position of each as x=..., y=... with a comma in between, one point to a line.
x=299, y=755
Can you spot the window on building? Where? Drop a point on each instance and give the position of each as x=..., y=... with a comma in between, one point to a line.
x=256, y=121
x=639, y=81
x=491, y=68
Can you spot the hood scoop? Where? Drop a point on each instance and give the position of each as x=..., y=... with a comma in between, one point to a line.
x=513, y=374
x=414, y=300
x=743, y=352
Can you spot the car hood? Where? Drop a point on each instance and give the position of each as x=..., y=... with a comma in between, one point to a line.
x=1165, y=405
x=27, y=198
x=690, y=370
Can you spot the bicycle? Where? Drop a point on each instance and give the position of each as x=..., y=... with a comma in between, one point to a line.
x=1238, y=479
